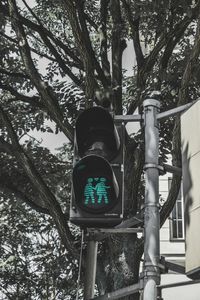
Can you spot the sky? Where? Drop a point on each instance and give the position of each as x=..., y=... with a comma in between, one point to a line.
x=53, y=141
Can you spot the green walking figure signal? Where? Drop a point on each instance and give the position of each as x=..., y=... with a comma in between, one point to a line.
x=101, y=190
x=89, y=191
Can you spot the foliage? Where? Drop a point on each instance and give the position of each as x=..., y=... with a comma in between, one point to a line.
x=33, y=262
x=57, y=58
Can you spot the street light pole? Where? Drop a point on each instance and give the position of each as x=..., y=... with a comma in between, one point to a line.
x=151, y=274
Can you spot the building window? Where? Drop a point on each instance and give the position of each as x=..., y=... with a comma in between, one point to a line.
x=177, y=218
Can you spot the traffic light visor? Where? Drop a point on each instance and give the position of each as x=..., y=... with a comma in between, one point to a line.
x=94, y=185
x=96, y=133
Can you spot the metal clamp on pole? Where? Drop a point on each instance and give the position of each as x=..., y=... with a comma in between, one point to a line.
x=161, y=169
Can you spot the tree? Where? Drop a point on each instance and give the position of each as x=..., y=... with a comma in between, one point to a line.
x=33, y=264
x=55, y=61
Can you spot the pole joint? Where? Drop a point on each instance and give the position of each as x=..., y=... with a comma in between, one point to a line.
x=154, y=166
x=145, y=275
x=156, y=205
x=151, y=102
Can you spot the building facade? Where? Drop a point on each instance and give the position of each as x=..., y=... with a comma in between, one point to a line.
x=172, y=247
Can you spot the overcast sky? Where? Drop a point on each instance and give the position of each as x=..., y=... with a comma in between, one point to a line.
x=52, y=140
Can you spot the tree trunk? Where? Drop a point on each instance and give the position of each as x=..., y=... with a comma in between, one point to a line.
x=119, y=264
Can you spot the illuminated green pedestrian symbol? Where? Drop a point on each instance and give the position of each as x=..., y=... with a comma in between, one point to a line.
x=101, y=190
x=98, y=191
x=89, y=191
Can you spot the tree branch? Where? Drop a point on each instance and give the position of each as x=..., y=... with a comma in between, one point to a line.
x=172, y=42
x=38, y=183
x=88, y=45
x=173, y=35
x=82, y=45
x=44, y=90
x=117, y=50
x=103, y=40
x=183, y=99
x=40, y=27
x=91, y=22
x=5, y=146
x=34, y=100
x=32, y=49
x=6, y=184
x=76, y=16
x=134, y=25
x=13, y=73
x=60, y=61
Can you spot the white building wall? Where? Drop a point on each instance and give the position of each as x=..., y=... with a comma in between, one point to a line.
x=174, y=251
x=187, y=292
x=167, y=247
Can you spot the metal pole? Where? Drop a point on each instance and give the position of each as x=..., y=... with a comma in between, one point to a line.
x=90, y=274
x=151, y=275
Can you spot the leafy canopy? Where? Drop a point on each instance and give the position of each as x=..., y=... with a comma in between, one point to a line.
x=57, y=58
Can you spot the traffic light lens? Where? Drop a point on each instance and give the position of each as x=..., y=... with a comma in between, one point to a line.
x=95, y=187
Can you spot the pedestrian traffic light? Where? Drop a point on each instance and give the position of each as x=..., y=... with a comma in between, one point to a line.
x=97, y=178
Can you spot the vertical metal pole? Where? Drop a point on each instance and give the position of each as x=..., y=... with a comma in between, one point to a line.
x=152, y=216
x=90, y=274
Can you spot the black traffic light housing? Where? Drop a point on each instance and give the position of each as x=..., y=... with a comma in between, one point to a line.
x=98, y=176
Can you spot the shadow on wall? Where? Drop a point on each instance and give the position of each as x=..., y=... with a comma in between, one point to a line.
x=187, y=185
x=190, y=192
